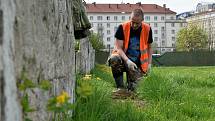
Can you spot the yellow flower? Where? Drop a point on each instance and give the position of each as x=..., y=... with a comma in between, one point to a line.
x=98, y=78
x=88, y=75
x=65, y=94
x=62, y=97
x=86, y=78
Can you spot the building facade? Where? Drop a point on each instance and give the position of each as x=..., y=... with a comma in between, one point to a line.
x=205, y=20
x=205, y=6
x=105, y=19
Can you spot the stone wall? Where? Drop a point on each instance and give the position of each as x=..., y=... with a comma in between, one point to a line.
x=85, y=57
x=1, y=62
x=37, y=39
x=10, y=107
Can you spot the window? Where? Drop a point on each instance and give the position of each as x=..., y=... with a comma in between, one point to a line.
x=99, y=17
x=173, y=38
x=163, y=43
x=115, y=18
x=173, y=31
x=173, y=45
x=91, y=24
x=162, y=17
x=108, y=31
x=155, y=24
x=91, y=17
x=155, y=31
x=172, y=17
x=181, y=24
x=156, y=38
x=108, y=17
x=163, y=36
x=123, y=17
x=162, y=28
x=172, y=24
x=108, y=39
x=108, y=25
x=147, y=18
x=108, y=46
x=155, y=18
x=99, y=24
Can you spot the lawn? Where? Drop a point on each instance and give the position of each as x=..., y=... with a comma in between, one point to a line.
x=167, y=94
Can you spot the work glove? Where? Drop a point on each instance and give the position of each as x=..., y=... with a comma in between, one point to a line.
x=131, y=65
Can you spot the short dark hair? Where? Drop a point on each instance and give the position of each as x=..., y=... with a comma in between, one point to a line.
x=138, y=12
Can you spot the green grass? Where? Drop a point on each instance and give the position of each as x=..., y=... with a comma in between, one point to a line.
x=169, y=93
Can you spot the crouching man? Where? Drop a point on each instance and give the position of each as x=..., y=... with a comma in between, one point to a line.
x=132, y=52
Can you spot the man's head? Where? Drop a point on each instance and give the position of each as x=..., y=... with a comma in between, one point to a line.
x=136, y=18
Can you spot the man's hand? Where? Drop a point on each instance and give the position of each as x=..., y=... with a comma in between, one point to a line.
x=131, y=65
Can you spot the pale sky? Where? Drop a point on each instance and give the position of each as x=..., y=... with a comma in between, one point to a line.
x=178, y=6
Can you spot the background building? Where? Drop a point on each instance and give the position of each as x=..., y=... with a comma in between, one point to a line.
x=105, y=18
x=206, y=20
x=205, y=6
x=185, y=15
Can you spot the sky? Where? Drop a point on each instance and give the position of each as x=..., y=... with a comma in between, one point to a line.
x=178, y=6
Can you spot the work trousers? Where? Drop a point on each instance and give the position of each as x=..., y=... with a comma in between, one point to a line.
x=118, y=67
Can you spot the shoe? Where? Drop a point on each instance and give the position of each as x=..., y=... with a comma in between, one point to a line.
x=119, y=91
x=122, y=94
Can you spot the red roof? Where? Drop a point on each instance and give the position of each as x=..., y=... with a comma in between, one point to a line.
x=127, y=8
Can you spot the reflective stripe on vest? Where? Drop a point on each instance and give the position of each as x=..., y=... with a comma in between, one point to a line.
x=143, y=42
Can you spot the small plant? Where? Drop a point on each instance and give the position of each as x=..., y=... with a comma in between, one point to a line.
x=77, y=45
x=45, y=85
x=25, y=84
x=61, y=106
x=84, y=89
x=26, y=107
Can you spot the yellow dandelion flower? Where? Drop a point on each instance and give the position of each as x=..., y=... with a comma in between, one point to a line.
x=65, y=94
x=60, y=99
x=86, y=78
x=88, y=75
x=98, y=78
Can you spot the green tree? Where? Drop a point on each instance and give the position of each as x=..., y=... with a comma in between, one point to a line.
x=155, y=48
x=191, y=38
x=96, y=41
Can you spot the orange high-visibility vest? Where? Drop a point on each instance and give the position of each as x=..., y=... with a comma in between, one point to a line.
x=144, y=57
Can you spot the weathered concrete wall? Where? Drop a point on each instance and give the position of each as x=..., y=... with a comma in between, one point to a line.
x=38, y=40
x=10, y=108
x=1, y=64
x=44, y=48
x=85, y=57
